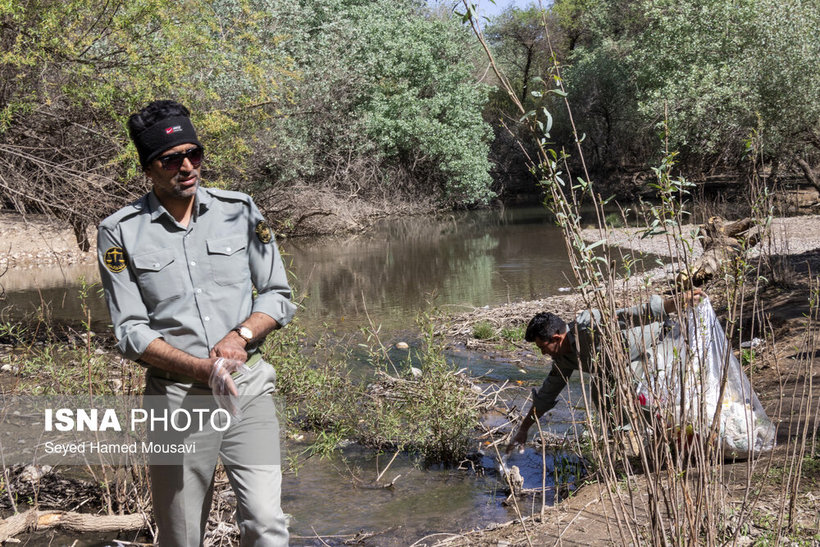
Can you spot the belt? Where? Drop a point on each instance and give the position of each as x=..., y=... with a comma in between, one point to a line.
x=182, y=379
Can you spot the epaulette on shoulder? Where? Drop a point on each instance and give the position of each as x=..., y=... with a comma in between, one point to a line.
x=133, y=208
x=228, y=195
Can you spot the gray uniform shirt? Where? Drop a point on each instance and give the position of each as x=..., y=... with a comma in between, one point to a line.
x=641, y=327
x=189, y=285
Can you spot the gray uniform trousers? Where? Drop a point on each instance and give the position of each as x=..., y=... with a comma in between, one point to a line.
x=250, y=453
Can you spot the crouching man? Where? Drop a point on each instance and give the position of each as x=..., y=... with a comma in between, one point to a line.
x=577, y=345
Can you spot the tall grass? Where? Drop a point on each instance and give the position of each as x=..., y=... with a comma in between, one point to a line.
x=663, y=489
x=50, y=363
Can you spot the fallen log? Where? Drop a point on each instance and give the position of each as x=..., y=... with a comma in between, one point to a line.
x=80, y=523
x=722, y=243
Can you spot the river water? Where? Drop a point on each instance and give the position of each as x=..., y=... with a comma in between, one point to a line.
x=395, y=270
x=389, y=275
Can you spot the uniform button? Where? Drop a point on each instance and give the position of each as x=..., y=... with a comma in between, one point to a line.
x=156, y=264
x=198, y=291
x=227, y=249
x=193, y=263
x=207, y=318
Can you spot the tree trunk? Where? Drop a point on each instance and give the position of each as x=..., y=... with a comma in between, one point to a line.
x=79, y=225
x=526, y=87
x=722, y=242
x=811, y=174
x=72, y=522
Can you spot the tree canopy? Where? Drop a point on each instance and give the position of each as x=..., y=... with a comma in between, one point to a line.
x=715, y=71
x=386, y=90
x=74, y=70
x=381, y=100
x=326, y=93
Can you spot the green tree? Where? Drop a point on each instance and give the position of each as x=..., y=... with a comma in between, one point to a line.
x=386, y=104
x=520, y=43
x=605, y=109
x=423, y=105
x=572, y=24
x=717, y=69
x=367, y=98
x=72, y=70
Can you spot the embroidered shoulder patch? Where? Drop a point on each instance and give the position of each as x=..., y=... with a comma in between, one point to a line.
x=263, y=232
x=114, y=259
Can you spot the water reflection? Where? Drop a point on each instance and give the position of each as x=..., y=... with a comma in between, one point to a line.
x=394, y=271
x=338, y=497
x=399, y=268
x=53, y=292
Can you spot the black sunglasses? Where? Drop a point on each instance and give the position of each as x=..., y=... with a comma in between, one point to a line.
x=173, y=162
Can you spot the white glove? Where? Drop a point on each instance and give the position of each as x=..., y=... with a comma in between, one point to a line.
x=222, y=384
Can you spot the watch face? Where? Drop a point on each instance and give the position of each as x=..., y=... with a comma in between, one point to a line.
x=245, y=333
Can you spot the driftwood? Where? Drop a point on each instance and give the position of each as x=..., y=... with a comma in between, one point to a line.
x=722, y=242
x=72, y=522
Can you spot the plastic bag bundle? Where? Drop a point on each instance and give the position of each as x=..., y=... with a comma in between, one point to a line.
x=223, y=387
x=685, y=390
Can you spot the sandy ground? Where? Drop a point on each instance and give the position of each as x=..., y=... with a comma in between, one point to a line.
x=792, y=235
x=34, y=241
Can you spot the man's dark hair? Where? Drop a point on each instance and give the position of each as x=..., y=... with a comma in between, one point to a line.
x=153, y=113
x=544, y=325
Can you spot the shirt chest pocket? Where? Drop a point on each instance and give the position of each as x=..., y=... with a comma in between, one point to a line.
x=229, y=263
x=158, y=276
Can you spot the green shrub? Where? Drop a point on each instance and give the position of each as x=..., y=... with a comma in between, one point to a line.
x=513, y=333
x=433, y=416
x=484, y=330
x=614, y=220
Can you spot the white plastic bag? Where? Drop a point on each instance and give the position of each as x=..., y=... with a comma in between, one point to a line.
x=685, y=389
x=223, y=387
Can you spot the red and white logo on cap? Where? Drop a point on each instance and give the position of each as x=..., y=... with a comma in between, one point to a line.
x=174, y=129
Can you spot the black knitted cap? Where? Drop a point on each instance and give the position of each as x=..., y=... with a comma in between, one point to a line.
x=165, y=134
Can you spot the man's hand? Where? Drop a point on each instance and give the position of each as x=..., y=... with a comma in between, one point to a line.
x=220, y=380
x=693, y=297
x=689, y=298
x=518, y=440
x=232, y=346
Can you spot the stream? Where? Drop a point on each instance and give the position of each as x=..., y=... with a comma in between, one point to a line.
x=387, y=276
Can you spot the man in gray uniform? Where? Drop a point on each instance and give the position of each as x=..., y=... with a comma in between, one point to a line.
x=573, y=347
x=179, y=267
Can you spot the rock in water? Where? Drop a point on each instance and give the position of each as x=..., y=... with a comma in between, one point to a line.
x=515, y=478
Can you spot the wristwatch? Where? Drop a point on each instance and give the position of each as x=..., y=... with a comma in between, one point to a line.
x=244, y=332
